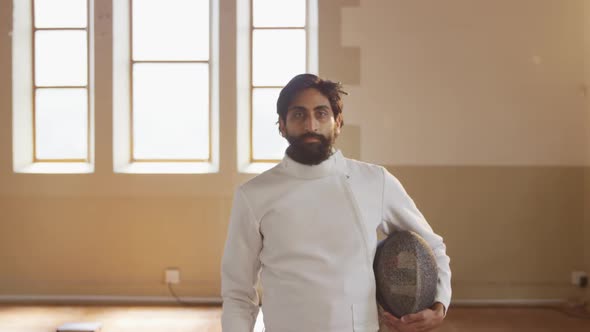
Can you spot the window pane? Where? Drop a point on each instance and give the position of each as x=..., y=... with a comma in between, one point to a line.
x=171, y=111
x=267, y=143
x=61, y=123
x=60, y=58
x=60, y=13
x=283, y=13
x=171, y=30
x=278, y=55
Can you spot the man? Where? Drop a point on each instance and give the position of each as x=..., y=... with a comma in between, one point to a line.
x=308, y=226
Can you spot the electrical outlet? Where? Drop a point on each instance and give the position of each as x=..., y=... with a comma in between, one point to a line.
x=172, y=276
x=580, y=279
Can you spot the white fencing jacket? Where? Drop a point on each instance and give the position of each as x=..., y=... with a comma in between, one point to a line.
x=310, y=233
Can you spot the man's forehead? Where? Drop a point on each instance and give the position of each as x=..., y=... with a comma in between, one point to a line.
x=310, y=98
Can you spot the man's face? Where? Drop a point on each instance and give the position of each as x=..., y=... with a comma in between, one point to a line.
x=310, y=127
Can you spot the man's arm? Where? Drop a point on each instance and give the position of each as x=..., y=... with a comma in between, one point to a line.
x=400, y=213
x=239, y=268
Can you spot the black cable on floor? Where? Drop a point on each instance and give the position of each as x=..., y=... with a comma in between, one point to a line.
x=178, y=300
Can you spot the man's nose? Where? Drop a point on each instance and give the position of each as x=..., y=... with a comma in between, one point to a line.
x=311, y=124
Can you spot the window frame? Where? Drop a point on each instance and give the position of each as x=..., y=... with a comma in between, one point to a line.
x=35, y=87
x=245, y=20
x=24, y=119
x=123, y=63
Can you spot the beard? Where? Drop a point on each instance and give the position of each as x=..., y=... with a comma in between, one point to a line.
x=309, y=153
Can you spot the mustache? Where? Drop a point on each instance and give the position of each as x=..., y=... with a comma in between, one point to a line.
x=302, y=137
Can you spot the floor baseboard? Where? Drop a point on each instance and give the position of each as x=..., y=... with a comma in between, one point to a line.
x=104, y=299
x=508, y=302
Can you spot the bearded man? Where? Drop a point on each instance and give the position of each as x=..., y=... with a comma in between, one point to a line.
x=308, y=229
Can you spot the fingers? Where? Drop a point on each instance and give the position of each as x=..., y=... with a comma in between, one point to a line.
x=391, y=321
x=413, y=318
x=411, y=323
x=389, y=316
x=425, y=320
x=419, y=326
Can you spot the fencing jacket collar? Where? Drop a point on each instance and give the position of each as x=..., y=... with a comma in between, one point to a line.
x=336, y=164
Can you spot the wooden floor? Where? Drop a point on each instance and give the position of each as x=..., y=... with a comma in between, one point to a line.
x=31, y=318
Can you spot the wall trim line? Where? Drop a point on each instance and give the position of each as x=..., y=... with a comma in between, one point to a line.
x=87, y=299
x=508, y=302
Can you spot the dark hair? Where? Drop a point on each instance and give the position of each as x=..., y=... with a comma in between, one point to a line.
x=331, y=90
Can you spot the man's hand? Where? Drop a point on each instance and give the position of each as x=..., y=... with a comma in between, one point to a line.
x=425, y=320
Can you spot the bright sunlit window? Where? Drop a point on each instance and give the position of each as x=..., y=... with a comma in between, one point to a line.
x=60, y=68
x=165, y=86
x=52, y=99
x=170, y=116
x=283, y=36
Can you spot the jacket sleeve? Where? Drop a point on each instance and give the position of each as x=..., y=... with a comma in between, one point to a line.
x=400, y=213
x=239, y=268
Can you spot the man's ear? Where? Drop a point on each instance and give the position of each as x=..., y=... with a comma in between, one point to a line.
x=339, y=121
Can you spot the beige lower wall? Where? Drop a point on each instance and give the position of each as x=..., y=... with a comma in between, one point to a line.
x=110, y=246
x=511, y=232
